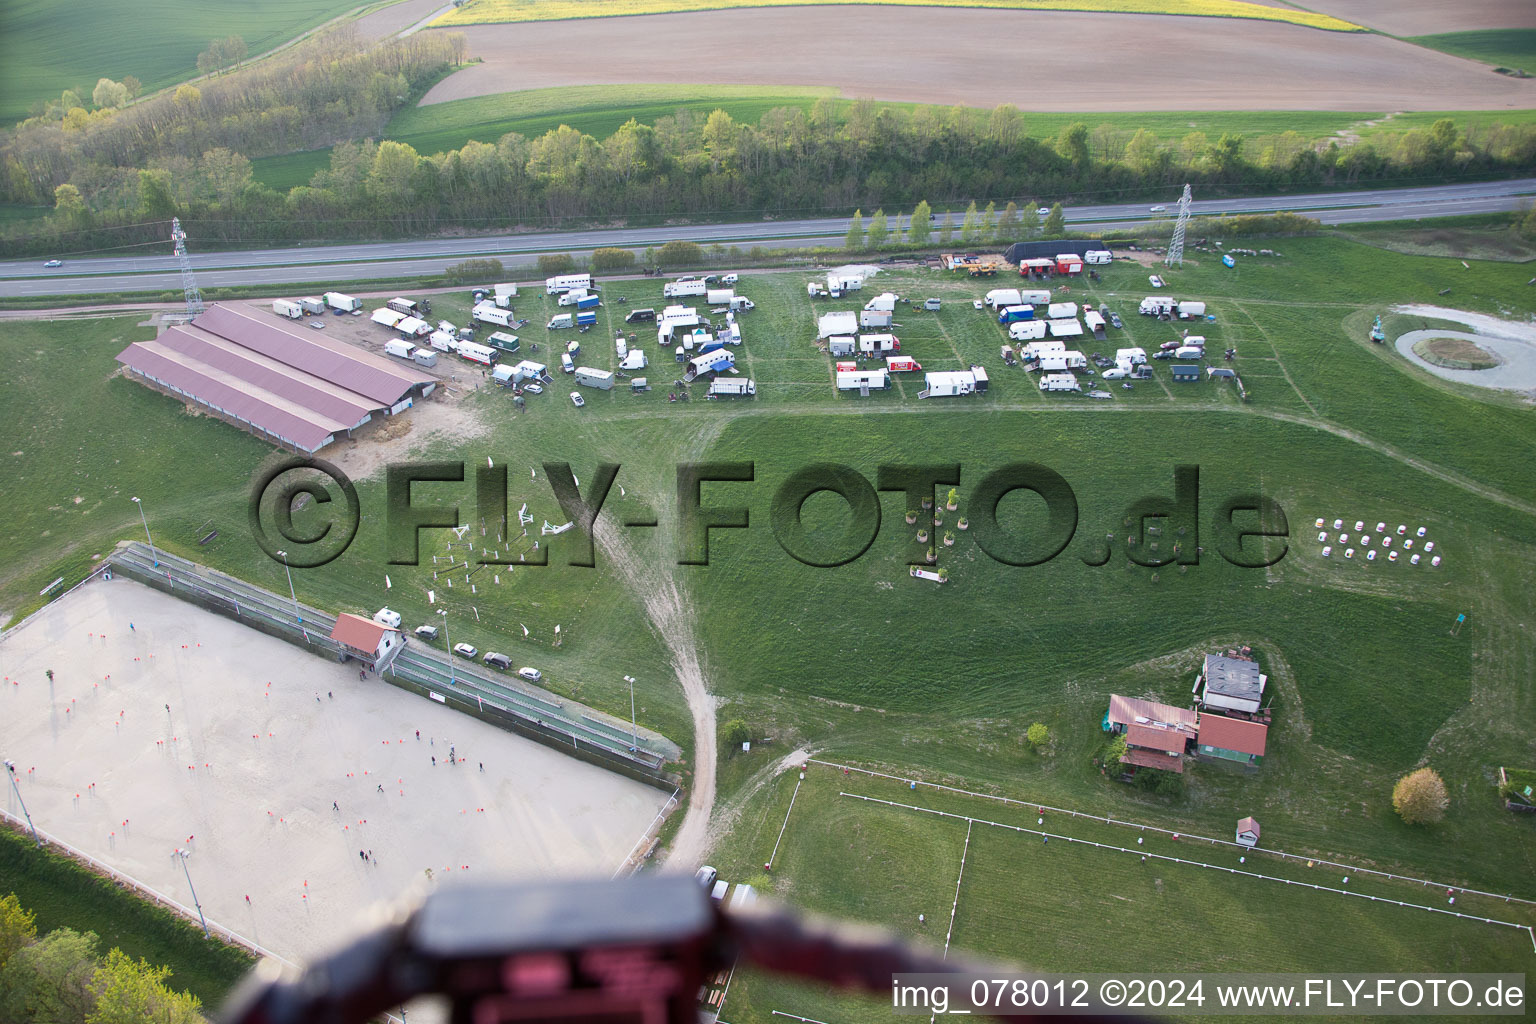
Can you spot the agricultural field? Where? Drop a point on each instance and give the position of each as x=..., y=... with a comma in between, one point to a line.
x=46, y=48
x=479, y=12
x=867, y=666
x=1284, y=66
x=1513, y=48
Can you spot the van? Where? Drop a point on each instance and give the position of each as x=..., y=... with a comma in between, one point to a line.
x=636, y=316
x=932, y=305
x=567, y=364
x=730, y=279
x=560, y=321
x=386, y=617
x=497, y=660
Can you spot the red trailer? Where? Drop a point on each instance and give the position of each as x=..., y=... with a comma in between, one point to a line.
x=1069, y=263
x=902, y=364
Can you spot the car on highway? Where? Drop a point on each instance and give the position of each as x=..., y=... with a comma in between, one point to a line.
x=54, y=263
x=577, y=400
x=1044, y=211
x=1158, y=209
x=465, y=650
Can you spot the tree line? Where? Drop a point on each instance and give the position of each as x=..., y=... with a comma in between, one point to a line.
x=112, y=183
x=62, y=977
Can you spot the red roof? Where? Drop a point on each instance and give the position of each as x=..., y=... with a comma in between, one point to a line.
x=1232, y=734
x=358, y=633
x=1248, y=825
x=1126, y=710
x=1154, y=738
x=1152, y=759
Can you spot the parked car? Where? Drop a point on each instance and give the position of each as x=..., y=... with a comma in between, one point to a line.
x=706, y=876
x=1166, y=353
x=427, y=632
x=54, y=263
x=534, y=389
x=318, y=325
x=1116, y=374
x=496, y=659
x=577, y=400
x=533, y=675
x=465, y=650
x=1115, y=321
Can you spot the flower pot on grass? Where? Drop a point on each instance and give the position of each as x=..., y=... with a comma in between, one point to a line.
x=949, y=538
x=911, y=516
x=922, y=536
x=933, y=556
x=964, y=523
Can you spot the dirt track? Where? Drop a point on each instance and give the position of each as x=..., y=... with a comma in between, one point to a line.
x=1036, y=60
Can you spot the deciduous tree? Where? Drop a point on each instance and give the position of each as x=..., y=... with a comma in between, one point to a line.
x=1419, y=797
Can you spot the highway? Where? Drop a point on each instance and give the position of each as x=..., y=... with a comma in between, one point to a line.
x=331, y=264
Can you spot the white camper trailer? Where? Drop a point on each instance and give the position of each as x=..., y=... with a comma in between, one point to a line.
x=1065, y=328
x=490, y=313
x=945, y=384
x=875, y=318
x=877, y=344
x=291, y=310
x=566, y=282
x=841, y=346
x=1059, y=382
x=589, y=377
x=863, y=380
x=1027, y=330
x=1061, y=311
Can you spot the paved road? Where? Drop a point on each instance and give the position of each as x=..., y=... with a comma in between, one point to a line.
x=338, y=263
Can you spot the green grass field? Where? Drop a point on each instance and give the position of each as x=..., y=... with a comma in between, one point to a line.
x=868, y=665
x=1513, y=48
x=1075, y=908
x=46, y=48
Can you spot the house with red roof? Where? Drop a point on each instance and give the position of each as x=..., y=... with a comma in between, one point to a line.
x=1232, y=739
x=372, y=643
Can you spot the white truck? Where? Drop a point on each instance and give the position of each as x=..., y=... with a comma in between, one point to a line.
x=727, y=387
x=490, y=313
x=1035, y=297
x=997, y=298
x=572, y=297
x=291, y=310
x=682, y=289
x=1027, y=330
x=634, y=360
x=1060, y=382
x=858, y=380
x=885, y=302
x=471, y=352
x=1098, y=257
x=399, y=348
x=566, y=282
x=589, y=377
x=347, y=303
x=444, y=341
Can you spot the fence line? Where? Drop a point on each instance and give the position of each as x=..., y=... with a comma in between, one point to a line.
x=792, y=1016
x=625, y=863
x=1199, y=864
x=144, y=889
x=1110, y=820
x=774, y=855
x=955, y=906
